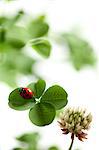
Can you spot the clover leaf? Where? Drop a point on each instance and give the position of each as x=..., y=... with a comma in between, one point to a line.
x=38, y=87
x=38, y=27
x=41, y=46
x=17, y=102
x=56, y=96
x=42, y=114
x=42, y=105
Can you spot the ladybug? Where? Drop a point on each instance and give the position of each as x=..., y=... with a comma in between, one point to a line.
x=26, y=93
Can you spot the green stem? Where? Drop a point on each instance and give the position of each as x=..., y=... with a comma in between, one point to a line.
x=71, y=145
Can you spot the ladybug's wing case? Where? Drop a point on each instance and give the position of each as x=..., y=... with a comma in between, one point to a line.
x=26, y=93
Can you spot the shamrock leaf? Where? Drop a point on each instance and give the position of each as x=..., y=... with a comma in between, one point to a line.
x=17, y=102
x=42, y=114
x=38, y=27
x=42, y=46
x=56, y=96
x=38, y=87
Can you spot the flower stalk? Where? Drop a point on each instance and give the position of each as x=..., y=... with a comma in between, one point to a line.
x=72, y=141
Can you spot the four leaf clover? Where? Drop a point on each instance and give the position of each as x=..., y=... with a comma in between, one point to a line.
x=43, y=105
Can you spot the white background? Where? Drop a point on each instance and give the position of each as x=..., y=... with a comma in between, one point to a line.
x=82, y=87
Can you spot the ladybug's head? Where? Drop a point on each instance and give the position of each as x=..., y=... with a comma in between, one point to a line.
x=20, y=89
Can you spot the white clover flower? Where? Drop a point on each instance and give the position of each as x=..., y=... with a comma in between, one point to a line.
x=75, y=121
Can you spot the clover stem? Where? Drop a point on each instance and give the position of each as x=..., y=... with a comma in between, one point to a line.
x=71, y=145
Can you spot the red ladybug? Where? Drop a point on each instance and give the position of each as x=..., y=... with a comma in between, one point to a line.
x=26, y=93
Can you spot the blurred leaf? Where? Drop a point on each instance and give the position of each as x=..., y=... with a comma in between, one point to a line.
x=38, y=87
x=10, y=67
x=38, y=27
x=11, y=40
x=17, y=36
x=2, y=34
x=29, y=138
x=2, y=20
x=53, y=148
x=8, y=76
x=56, y=96
x=30, y=141
x=42, y=114
x=42, y=46
x=81, y=53
x=17, y=102
x=22, y=64
x=5, y=47
x=17, y=17
x=19, y=148
x=9, y=21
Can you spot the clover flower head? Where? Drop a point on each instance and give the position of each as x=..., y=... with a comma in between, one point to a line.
x=75, y=121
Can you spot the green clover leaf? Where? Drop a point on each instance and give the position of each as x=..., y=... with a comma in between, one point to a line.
x=38, y=27
x=42, y=114
x=17, y=102
x=56, y=96
x=41, y=46
x=38, y=87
